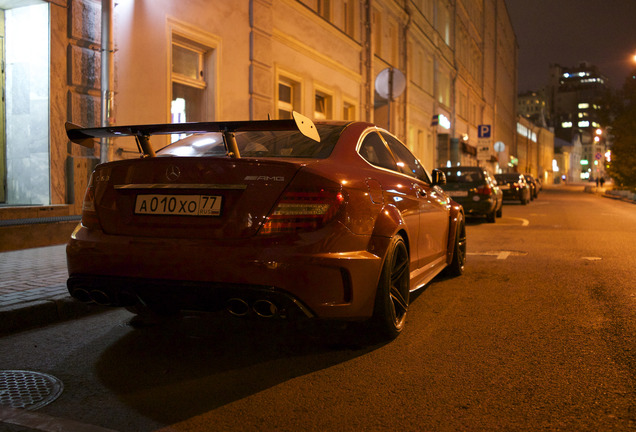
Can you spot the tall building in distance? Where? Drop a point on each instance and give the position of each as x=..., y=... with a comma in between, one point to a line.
x=532, y=106
x=575, y=98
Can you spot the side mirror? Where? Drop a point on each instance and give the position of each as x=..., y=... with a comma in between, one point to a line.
x=439, y=178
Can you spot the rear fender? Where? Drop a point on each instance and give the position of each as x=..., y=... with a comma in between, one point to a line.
x=388, y=223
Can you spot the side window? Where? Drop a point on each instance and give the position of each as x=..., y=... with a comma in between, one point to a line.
x=375, y=152
x=406, y=161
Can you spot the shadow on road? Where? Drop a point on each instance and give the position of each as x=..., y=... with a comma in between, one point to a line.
x=199, y=362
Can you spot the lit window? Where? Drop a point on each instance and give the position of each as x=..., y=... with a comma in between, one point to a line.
x=584, y=105
x=188, y=81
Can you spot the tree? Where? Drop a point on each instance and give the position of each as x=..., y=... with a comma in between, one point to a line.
x=623, y=165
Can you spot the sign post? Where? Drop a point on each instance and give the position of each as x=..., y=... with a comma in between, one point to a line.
x=484, y=142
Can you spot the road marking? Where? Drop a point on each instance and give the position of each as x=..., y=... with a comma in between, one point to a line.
x=524, y=222
x=592, y=258
x=501, y=255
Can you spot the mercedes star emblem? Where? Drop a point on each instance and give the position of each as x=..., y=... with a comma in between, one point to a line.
x=173, y=172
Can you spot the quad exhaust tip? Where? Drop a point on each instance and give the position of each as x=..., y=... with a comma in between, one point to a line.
x=263, y=308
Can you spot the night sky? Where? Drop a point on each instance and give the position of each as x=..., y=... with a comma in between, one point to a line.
x=568, y=32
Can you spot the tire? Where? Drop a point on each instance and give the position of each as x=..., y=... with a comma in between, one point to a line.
x=500, y=211
x=457, y=264
x=392, y=297
x=492, y=217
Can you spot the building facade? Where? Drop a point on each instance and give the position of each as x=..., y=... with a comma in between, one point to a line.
x=534, y=151
x=259, y=59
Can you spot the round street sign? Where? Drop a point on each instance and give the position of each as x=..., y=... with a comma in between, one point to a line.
x=383, y=83
x=499, y=146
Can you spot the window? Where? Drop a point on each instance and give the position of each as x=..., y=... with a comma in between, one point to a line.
x=377, y=31
x=407, y=163
x=374, y=151
x=192, y=57
x=444, y=88
x=288, y=97
x=443, y=23
x=395, y=47
x=188, y=82
x=324, y=9
x=349, y=18
x=429, y=74
x=322, y=106
x=348, y=111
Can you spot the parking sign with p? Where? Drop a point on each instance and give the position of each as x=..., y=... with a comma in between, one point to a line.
x=483, y=131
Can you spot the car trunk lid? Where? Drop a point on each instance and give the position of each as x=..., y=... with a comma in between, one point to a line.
x=180, y=197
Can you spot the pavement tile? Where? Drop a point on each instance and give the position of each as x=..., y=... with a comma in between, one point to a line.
x=33, y=289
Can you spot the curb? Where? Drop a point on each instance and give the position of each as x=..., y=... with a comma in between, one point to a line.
x=39, y=313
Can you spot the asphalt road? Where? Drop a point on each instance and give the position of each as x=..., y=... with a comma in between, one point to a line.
x=539, y=334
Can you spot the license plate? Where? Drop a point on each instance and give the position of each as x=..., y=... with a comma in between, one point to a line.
x=178, y=205
x=504, y=187
x=457, y=193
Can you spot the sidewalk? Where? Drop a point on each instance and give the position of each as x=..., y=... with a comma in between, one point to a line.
x=33, y=289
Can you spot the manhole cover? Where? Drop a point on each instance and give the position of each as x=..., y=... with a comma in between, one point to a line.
x=30, y=390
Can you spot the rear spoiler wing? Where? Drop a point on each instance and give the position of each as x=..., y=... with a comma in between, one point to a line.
x=85, y=136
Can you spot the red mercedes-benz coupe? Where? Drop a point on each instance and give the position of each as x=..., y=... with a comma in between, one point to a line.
x=280, y=218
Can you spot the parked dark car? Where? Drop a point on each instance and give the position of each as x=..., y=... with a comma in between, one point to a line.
x=475, y=189
x=534, y=185
x=514, y=187
x=278, y=219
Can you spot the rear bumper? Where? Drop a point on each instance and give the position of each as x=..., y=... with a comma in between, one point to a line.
x=512, y=194
x=484, y=206
x=204, y=274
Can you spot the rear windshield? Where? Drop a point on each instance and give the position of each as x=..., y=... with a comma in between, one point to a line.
x=278, y=144
x=458, y=175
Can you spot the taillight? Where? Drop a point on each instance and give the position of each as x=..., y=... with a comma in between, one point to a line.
x=89, y=215
x=484, y=190
x=305, y=210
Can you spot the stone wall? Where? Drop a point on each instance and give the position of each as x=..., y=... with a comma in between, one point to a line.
x=83, y=95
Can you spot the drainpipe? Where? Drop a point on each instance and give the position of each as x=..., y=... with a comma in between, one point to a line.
x=368, y=61
x=107, y=74
x=405, y=67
